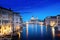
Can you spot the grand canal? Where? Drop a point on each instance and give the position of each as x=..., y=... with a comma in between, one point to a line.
x=38, y=33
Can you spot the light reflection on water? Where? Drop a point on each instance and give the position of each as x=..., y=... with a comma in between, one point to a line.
x=38, y=34
x=53, y=32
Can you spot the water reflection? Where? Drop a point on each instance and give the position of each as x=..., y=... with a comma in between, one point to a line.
x=41, y=29
x=27, y=29
x=46, y=27
x=53, y=32
x=33, y=35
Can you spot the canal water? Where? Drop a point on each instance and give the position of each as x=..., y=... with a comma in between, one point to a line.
x=37, y=32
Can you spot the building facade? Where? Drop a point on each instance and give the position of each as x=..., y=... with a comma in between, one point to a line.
x=8, y=17
x=56, y=19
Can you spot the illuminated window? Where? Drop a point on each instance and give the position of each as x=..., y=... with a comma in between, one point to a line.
x=5, y=28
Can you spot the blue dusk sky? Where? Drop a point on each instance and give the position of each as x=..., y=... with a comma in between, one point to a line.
x=36, y=8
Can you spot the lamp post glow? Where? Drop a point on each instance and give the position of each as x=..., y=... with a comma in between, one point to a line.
x=18, y=28
x=53, y=24
x=5, y=29
x=18, y=34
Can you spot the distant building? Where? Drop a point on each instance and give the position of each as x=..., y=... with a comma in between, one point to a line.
x=48, y=19
x=35, y=20
x=58, y=21
x=7, y=16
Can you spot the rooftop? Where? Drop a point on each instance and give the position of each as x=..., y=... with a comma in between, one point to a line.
x=5, y=8
x=10, y=10
x=53, y=17
x=58, y=15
